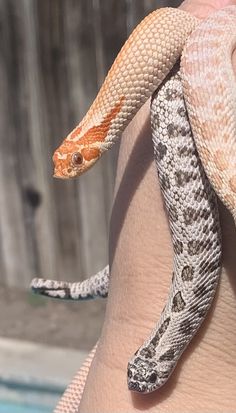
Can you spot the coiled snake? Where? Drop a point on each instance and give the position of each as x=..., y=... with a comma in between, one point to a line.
x=139, y=72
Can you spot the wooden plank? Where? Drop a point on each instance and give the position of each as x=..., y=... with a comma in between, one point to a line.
x=44, y=229
x=53, y=70
x=16, y=265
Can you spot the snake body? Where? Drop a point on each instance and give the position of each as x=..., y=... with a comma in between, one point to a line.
x=95, y=286
x=210, y=93
x=194, y=223
x=71, y=398
x=144, y=62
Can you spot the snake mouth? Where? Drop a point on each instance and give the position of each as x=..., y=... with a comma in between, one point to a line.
x=135, y=387
x=67, y=174
x=141, y=387
x=58, y=176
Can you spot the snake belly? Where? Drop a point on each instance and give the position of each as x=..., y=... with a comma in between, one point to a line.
x=192, y=209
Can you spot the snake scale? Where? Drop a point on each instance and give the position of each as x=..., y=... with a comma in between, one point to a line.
x=138, y=72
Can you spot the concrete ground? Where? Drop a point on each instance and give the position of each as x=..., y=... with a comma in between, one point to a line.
x=25, y=316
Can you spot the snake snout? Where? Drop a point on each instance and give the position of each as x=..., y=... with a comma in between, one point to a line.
x=142, y=378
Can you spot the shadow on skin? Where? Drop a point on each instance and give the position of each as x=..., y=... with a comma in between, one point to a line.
x=139, y=161
x=229, y=244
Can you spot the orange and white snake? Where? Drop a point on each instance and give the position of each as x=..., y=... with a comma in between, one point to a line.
x=207, y=77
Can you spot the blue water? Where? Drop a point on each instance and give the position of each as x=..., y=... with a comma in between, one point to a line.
x=27, y=392
x=7, y=407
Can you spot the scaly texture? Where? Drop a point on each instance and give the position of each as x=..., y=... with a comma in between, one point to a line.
x=140, y=67
x=95, y=286
x=70, y=400
x=194, y=223
x=209, y=88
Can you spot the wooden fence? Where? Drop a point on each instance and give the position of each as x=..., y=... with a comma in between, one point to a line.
x=53, y=57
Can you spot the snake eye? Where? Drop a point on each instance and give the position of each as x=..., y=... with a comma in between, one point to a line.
x=77, y=159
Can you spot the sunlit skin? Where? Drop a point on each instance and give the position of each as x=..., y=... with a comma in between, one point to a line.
x=133, y=257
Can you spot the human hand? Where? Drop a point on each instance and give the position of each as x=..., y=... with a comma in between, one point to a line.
x=140, y=248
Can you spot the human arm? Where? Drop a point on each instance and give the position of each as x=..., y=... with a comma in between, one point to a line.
x=140, y=248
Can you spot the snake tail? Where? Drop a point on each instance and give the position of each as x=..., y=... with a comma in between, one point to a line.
x=95, y=286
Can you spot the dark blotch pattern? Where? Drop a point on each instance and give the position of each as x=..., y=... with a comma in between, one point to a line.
x=184, y=131
x=178, y=302
x=187, y=273
x=165, y=182
x=153, y=378
x=195, y=247
x=199, y=195
x=173, y=214
x=209, y=266
x=172, y=130
x=160, y=151
x=202, y=290
x=148, y=352
x=189, y=215
x=182, y=178
x=172, y=94
x=181, y=112
x=168, y=355
x=178, y=247
x=198, y=311
x=160, y=331
x=185, y=151
x=67, y=293
x=204, y=213
x=186, y=327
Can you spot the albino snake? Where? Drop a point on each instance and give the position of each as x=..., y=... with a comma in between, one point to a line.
x=207, y=77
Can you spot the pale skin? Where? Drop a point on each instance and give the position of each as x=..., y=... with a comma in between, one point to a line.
x=141, y=260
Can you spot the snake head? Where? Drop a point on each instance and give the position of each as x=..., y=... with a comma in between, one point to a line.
x=145, y=376
x=84, y=145
x=71, y=159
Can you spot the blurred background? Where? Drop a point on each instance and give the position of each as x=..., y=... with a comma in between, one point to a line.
x=54, y=57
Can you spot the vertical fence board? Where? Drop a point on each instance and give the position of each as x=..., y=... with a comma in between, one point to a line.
x=14, y=242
